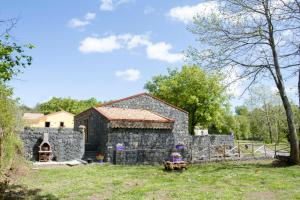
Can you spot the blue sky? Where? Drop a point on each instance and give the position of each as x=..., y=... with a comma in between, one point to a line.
x=105, y=49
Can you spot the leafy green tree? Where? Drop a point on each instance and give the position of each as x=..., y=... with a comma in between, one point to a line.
x=193, y=90
x=12, y=58
x=241, y=110
x=67, y=104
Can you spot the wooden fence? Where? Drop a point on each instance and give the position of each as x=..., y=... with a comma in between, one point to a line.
x=245, y=150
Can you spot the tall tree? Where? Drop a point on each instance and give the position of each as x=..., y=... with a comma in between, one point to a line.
x=70, y=105
x=193, y=90
x=249, y=38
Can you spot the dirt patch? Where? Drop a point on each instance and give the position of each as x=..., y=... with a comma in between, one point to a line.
x=158, y=195
x=133, y=183
x=105, y=195
x=18, y=169
x=260, y=195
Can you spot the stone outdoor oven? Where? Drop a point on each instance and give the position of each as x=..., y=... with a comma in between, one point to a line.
x=45, y=151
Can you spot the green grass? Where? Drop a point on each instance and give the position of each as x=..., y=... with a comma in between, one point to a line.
x=230, y=180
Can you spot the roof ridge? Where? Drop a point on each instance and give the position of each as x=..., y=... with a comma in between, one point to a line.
x=140, y=94
x=61, y=111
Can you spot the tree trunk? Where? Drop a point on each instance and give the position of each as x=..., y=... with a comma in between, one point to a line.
x=268, y=121
x=192, y=123
x=293, y=138
x=299, y=84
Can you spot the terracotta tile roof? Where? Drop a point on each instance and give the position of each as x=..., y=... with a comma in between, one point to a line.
x=33, y=117
x=135, y=115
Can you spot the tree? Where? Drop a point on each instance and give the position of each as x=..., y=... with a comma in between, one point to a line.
x=243, y=124
x=249, y=38
x=241, y=110
x=263, y=98
x=193, y=90
x=67, y=104
x=12, y=58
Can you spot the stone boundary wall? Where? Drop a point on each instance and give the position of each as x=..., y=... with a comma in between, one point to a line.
x=66, y=144
x=200, y=148
x=206, y=147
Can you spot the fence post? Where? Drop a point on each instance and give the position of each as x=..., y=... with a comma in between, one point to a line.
x=265, y=151
x=275, y=151
x=239, y=152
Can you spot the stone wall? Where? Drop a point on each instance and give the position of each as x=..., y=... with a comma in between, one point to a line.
x=209, y=146
x=155, y=146
x=66, y=144
x=140, y=145
x=97, y=129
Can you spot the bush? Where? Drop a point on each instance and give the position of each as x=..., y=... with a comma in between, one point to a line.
x=10, y=123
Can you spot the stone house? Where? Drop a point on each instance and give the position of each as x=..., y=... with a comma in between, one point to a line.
x=54, y=120
x=143, y=129
x=148, y=128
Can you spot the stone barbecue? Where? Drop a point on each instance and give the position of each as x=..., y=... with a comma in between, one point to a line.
x=45, y=149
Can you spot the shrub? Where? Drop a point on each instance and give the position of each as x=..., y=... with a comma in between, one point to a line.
x=10, y=123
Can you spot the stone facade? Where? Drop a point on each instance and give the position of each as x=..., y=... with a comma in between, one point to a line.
x=145, y=101
x=66, y=144
x=96, y=129
x=209, y=146
x=140, y=145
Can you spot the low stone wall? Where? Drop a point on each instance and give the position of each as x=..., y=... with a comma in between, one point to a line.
x=209, y=146
x=66, y=144
x=153, y=147
x=141, y=156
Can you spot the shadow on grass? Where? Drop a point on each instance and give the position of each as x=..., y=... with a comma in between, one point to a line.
x=14, y=191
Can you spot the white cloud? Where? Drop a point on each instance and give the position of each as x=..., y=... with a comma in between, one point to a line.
x=90, y=16
x=77, y=23
x=106, y=5
x=186, y=14
x=156, y=51
x=160, y=51
x=100, y=45
x=110, y=5
x=138, y=40
x=129, y=74
x=80, y=24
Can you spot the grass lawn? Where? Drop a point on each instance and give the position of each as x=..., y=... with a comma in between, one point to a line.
x=230, y=180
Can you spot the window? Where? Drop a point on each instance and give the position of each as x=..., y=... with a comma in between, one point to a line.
x=47, y=124
x=61, y=124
